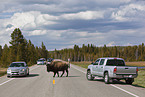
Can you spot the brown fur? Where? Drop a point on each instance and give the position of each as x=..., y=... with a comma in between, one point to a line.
x=57, y=66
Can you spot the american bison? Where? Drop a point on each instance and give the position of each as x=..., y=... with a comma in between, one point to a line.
x=56, y=66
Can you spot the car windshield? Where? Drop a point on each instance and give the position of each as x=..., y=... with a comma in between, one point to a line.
x=17, y=65
x=49, y=59
x=115, y=63
x=40, y=60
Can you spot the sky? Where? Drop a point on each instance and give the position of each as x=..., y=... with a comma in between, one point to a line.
x=63, y=23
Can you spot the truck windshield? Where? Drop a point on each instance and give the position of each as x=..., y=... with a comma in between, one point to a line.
x=17, y=65
x=115, y=63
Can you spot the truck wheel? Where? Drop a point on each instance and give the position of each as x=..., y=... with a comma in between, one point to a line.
x=129, y=81
x=106, y=78
x=89, y=75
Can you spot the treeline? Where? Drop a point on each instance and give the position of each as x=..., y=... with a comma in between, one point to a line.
x=21, y=50
x=91, y=52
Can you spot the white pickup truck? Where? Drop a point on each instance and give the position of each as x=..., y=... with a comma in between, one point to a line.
x=112, y=68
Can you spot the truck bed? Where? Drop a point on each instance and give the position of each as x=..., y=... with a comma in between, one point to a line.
x=126, y=70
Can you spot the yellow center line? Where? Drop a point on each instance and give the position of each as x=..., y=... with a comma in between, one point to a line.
x=53, y=81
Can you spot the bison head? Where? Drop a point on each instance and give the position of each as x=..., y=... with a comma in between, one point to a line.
x=49, y=67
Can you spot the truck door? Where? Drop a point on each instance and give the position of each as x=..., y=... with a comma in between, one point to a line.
x=100, y=67
x=95, y=67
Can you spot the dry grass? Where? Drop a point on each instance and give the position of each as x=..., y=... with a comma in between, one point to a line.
x=138, y=82
x=85, y=64
x=141, y=63
x=82, y=64
x=3, y=71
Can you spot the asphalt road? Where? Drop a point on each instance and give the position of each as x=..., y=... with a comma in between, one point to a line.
x=42, y=84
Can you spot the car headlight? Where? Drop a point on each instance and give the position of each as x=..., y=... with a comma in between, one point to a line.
x=9, y=71
x=22, y=69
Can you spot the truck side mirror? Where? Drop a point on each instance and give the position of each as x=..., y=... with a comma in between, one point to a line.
x=95, y=63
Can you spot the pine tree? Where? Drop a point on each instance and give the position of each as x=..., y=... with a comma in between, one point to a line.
x=5, y=61
x=31, y=53
x=18, y=46
x=44, y=52
x=0, y=54
x=76, y=53
x=0, y=51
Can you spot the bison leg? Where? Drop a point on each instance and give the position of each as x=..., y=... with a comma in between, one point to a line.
x=67, y=72
x=57, y=74
x=62, y=73
x=54, y=74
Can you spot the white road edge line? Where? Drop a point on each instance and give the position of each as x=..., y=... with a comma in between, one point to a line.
x=6, y=81
x=78, y=69
x=110, y=84
x=14, y=78
x=34, y=68
x=124, y=90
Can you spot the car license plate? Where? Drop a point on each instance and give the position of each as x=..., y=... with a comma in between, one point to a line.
x=15, y=73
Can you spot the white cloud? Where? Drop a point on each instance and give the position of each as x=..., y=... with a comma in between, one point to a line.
x=44, y=20
x=112, y=1
x=111, y=43
x=22, y=19
x=65, y=23
x=4, y=37
x=129, y=12
x=87, y=15
x=37, y=32
x=30, y=20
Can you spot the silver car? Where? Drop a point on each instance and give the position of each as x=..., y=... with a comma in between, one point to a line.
x=18, y=69
x=41, y=61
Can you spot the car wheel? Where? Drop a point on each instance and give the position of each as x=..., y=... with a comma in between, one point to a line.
x=9, y=76
x=106, y=78
x=89, y=75
x=28, y=73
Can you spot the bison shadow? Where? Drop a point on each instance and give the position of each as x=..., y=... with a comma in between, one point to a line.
x=67, y=77
x=72, y=76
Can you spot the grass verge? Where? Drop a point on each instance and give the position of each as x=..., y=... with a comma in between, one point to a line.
x=3, y=71
x=138, y=82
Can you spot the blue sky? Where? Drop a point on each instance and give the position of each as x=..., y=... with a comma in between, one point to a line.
x=64, y=23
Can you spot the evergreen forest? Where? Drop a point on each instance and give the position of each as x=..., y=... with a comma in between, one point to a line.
x=21, y=49
x=91, y=52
